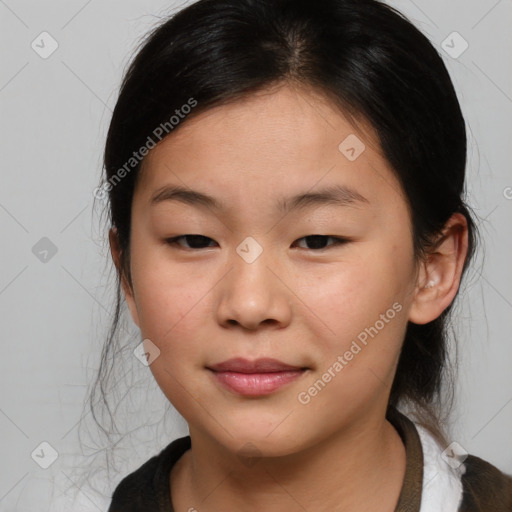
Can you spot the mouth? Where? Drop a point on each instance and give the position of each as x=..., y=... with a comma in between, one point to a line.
x=255, y=378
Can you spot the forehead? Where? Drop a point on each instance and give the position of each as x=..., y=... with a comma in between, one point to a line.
x=276, y=141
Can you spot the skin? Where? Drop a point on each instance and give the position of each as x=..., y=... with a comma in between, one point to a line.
x=301, y=305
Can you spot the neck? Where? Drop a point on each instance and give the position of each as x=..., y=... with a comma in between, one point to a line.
x=361, y=468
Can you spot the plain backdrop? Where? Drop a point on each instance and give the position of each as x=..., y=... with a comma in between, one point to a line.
x=55, y=290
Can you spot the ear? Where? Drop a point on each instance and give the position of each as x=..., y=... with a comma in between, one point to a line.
x=115, y=251
x=439, y=275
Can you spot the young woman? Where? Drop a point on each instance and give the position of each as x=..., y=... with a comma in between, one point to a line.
x=289, y=229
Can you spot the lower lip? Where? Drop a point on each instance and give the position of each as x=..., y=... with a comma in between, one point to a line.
x=256, y=384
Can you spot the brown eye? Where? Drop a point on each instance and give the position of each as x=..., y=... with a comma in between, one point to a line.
x=194, y=241
x=318, y=242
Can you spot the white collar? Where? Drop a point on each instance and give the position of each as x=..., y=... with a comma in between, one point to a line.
x=442, y=486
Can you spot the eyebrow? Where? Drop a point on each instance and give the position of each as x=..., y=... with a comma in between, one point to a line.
x=337, y=195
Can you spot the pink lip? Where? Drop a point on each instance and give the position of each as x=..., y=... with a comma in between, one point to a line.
x=264, y=365
x=255, y=378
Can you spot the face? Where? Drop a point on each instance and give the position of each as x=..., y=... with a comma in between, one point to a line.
x=323, y=285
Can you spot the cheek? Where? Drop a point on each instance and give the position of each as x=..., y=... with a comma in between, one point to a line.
x=172, y=300
x=354, y=292
x=364, y=304
x=364, y=309
x=173, y=305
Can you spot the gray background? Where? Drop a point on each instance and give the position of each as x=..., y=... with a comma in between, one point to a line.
x=55, y=313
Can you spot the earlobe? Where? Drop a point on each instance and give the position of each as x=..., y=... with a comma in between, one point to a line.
x=439, y=275
x=115, y=251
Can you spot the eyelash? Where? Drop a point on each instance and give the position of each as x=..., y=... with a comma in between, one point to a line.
x=337, y=241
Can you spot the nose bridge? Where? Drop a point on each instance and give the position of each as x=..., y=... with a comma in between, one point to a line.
x=251, y=293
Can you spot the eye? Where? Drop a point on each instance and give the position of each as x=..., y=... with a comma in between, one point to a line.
x=195, y=241
x=318, y=241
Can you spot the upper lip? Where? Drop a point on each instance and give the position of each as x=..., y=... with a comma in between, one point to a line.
x=263, y=365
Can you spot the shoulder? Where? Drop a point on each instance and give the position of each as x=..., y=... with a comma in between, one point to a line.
x=147, y=488
x=474, y=486
x=467, y=484
x=485, y=487
x=135, y=491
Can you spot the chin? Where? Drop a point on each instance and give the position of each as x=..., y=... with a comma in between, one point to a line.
x=253, y=442
x=253, y=448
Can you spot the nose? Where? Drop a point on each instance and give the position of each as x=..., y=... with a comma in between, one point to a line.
x=254, y=294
